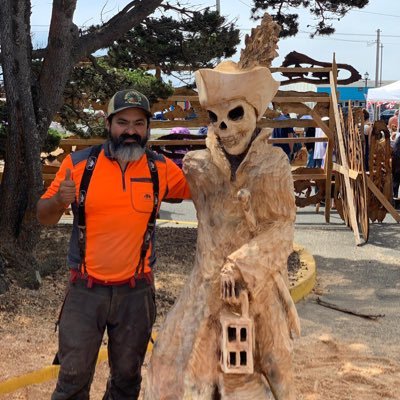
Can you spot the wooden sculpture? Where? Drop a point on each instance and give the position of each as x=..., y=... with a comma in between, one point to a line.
x=352, y=133
x=230, y=333
x=380, y=170
x=296, y=59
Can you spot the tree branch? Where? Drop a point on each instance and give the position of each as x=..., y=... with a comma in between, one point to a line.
x=57, y=60
x=104, y=36
x=337, y=308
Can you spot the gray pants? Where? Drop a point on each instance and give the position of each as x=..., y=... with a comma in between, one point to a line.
x=128, y=314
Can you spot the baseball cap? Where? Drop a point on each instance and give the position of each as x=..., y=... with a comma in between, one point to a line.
x=129, y=98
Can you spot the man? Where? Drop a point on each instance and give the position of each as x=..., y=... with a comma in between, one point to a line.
x=120, y=186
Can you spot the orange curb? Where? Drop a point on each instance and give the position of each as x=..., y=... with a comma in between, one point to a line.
x=306, y=275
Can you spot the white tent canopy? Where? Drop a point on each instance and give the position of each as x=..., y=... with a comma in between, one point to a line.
x=385, y=94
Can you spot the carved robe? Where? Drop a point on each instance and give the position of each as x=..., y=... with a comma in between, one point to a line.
x=185, y=360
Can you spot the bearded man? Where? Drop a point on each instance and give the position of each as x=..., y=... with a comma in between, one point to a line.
x=229, y=335
x=115, y=191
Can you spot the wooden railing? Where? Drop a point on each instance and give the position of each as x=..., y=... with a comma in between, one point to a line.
x=70, y=145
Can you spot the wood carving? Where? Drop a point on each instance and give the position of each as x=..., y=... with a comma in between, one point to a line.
x=229, y=335
x=353, y=143
x=261, y=45
x=322, y=109
x=298, y=107
x=380, y=170
x=296, y=59
x=303, y=188
x=300, y=158
x=176, y=113
x=161, y=106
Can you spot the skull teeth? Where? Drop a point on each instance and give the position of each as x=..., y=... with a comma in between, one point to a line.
x=228, y=141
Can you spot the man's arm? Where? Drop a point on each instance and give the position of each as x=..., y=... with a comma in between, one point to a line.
x=50, y=210
x=178, y=188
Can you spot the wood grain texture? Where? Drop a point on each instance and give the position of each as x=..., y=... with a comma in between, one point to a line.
x=185, y=360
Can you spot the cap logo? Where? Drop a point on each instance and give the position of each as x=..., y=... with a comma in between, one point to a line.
x=133, y=98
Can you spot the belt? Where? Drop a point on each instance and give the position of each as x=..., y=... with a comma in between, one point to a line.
x=78, y=275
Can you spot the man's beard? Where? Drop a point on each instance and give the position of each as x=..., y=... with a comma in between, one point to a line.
x=126, y=152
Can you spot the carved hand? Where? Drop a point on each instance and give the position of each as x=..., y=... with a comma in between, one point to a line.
x=229, y=279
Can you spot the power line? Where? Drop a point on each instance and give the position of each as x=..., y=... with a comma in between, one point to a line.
x=340, y=40
x=370, y=12
x=354, y=34
x=345, y=40
x=338, y=33
x=240, y=1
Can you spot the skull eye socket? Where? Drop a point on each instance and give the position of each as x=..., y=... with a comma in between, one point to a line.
x=212, y=116
x=236, y=114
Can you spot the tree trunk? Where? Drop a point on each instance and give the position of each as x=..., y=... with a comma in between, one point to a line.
x=32, y=101
x=21, y=182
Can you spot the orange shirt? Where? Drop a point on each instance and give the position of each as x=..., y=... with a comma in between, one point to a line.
x=118, y=207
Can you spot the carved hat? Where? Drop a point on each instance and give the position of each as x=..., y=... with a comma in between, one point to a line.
x=228, y=82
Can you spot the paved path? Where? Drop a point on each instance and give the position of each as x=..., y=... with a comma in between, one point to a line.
x=364, y=279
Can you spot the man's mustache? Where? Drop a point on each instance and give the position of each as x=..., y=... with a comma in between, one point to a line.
x=125, y=136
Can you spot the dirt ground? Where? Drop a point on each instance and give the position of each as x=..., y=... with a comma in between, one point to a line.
x=325, y=369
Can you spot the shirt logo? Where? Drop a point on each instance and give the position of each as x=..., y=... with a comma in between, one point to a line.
x=91, y=162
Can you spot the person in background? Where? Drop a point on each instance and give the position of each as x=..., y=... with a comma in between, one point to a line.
x=284, y=133
x=120, y=186
x=393, y=134
x=309, y=132
x=319, y=149
x=396, y=171
x=367, y=135
x=394, y=121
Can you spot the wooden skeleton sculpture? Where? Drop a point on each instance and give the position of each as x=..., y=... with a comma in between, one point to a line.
x=230, y=333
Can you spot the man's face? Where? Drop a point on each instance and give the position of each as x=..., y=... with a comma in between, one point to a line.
x=129, y=134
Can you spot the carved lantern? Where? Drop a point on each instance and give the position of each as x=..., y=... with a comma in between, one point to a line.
x=237, y=340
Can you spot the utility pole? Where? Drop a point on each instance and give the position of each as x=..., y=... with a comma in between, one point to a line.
x=218, y=6
x=378, y=43
x=380, y=70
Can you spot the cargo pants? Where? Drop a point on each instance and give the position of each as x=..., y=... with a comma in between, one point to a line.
x=128, y=314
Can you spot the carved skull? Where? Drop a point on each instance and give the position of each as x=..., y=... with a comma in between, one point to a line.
x=233, y=122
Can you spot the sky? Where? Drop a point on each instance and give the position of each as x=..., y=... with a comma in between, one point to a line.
x=354, y=41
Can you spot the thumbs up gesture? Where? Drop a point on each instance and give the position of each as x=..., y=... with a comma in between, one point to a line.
x=67, y=191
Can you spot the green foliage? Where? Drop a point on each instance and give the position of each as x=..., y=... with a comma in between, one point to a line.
x=90, y=88
x=52, y=140
x=50, y=144
x=192, y=42
x=323, y=11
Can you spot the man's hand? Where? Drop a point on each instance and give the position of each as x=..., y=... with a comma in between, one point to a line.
x=67, y=191
x=229, y=279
